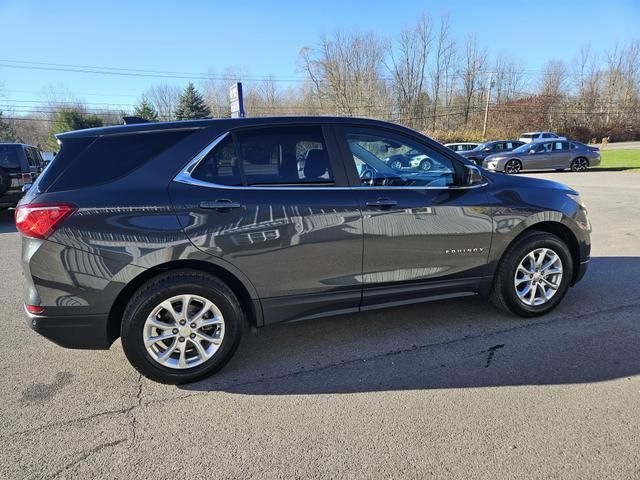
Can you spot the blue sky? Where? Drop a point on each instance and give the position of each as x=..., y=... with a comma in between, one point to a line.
x=264, y=37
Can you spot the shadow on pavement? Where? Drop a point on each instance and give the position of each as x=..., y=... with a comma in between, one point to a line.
x=591, y=337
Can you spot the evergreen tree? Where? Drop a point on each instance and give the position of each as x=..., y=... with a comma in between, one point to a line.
x=191, y=105
x=70, y=119
x=7, y=133
x=146, y=110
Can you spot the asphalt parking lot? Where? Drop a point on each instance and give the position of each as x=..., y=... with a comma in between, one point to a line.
x=452, y=388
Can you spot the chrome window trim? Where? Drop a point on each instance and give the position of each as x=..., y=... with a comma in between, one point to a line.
x=185, y=177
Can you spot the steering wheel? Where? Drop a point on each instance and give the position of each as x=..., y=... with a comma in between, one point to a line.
x=367, y=175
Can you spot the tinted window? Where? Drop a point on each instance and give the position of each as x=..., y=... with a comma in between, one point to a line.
x=560, y=146
x=387, y=159
x=110, y=157
x=284, y=155
x=32, y=160
x=544, y=147
x=220, y=165
x=8, y=156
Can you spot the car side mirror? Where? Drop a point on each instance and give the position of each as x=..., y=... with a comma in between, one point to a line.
x=26, y=187
x=473, y=176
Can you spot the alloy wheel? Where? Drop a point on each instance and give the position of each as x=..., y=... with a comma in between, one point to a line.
x=425, y=165
x=580, y=164
x=512, y=166
x=538, y=277
x=183, y=331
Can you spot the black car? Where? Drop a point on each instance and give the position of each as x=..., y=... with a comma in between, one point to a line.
x=20, y=165
x=482, y=151
x=186, y=232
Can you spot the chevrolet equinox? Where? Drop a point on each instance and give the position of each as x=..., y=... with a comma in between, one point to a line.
x=177, y=236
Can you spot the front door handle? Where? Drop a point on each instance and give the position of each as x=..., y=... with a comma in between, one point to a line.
x=382, y=203
x=222, y=204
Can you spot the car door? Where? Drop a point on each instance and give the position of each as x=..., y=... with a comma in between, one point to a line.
x=540, y=158
x=274, y=203
x=561, y=155
x=423, y=234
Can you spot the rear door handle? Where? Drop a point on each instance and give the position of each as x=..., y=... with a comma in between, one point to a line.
x=222, y=204
x=382, y=203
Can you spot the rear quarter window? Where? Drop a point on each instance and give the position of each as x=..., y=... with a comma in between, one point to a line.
x=107, y=158
x=8, y=156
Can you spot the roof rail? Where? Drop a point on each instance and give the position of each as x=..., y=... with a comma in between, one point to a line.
x=132, y=120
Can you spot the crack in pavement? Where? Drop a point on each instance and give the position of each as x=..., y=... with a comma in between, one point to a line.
x=131, y=411
x=86, y=455
x=229, y=386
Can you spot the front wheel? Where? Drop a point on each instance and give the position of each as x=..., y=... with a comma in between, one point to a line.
x=181, y=326
x=533, y=276
x=512, y=167
x=425, y=165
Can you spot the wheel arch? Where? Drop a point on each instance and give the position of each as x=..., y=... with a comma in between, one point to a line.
x=561, y=231
x=246, y=293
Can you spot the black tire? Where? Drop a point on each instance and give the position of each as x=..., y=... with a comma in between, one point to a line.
x=165, y=286
x=579, y=164
x=513, y=166
x=5, y=181
x=503, y=294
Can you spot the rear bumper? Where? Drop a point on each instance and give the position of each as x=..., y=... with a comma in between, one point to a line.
x=75, y=331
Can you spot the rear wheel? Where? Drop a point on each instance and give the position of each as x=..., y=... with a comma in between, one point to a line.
x=425, y=165
x=579, y=164
x=533, y=276
x=181, y=326
x=513, y=167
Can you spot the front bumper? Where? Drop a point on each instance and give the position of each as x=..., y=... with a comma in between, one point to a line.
x=73, y=331
x=581, y=271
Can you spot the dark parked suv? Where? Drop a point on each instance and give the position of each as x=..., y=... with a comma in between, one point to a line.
x=175, y=236
x=19, y=165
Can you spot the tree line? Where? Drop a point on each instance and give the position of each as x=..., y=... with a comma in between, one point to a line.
x=424, y=78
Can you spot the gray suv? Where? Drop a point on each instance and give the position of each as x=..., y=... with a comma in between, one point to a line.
x=202, y=228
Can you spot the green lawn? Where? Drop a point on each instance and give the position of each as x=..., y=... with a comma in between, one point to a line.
x=620, y=158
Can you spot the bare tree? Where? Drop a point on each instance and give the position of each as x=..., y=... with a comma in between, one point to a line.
x=345, y=73
x=407, y=63
x=474, y=61
x=440, y=70
x=164, y=98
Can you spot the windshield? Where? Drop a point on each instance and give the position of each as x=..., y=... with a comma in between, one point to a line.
x=482, y=146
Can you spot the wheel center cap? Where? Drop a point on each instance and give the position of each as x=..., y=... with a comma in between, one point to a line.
x=184, y=330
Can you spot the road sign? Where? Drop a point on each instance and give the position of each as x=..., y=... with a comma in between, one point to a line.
x=237, y=102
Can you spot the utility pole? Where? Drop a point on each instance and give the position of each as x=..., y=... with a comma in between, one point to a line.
x=486, y=108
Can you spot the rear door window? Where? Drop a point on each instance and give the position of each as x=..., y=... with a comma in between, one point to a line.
x=268, y=156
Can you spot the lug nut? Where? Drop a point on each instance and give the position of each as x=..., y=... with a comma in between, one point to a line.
x=193, y=325
x=175, y=331
x=181, y=339
x=193, y=335
x=182, y=322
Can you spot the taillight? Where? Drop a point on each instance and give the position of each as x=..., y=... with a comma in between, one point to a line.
x=35, y=309
x=39, y=220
